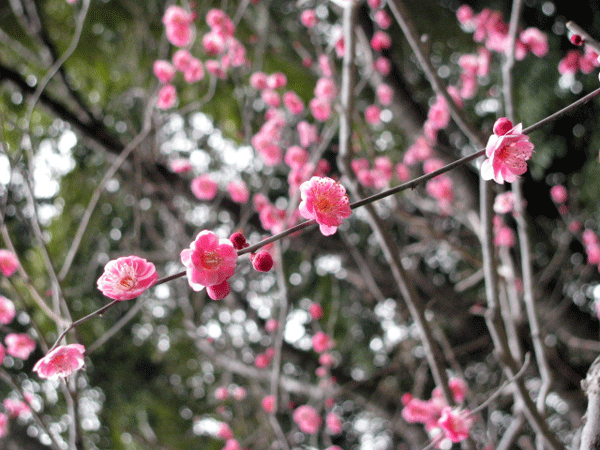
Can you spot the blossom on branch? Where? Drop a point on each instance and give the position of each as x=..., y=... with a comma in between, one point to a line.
x=507, y=151
x=8, y=262
x=127, y=277
x=210, y=261
x=325, y=201
x=19, y=345
x=455, y=423
x=307, y=419
x=61, y=362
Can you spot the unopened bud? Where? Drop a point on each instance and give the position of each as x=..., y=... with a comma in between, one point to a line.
x=576, y=39
x=238, y=240
x=262, y=261
x=218, y=291
x=502, y=126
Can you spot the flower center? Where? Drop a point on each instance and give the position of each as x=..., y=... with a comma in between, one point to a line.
x=323, y=204
x=210, y=260
x=127, y=282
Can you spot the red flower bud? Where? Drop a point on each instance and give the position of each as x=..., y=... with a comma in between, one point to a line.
x=238, y=240
x=576, y=40
x=262, y=261
x=502, y=126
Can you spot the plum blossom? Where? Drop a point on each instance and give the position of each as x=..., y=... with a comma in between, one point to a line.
x=126, y=278
x=210, y=261
x=559, y=193
x=238, y=191
x=16, y=408
x=164, y=71
x=455, y=423
x=308, y=17
x=181, y=59
x=307, y=419
x=9, y=262
x=504, y=203
x=325, y=201
x=178, y=23
x=321, y=342
x=167, y=96
x=224, y=431
x=204, y=187
x=19, y=345
x=268, y=403
x=3, y=425
x=333, y=422
x=180, y=165
x=507, y=155
x=7, y=310
x=315, y=310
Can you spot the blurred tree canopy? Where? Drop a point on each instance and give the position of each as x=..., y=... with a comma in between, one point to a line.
x=78, y=92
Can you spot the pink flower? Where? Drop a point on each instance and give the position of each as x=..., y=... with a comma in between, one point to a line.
x=296, y=157
x=325, y=201
x=307, y=419
x=7, y=310
x=180, y=165
x=333, y=423
x=271, y=97
x=221, y=393
x=9, y=262
x=320, y=109
x=402, y=172
x=458, y=388
x=194, y=71
x=126, y=277
x=507, y=156
x=307, y=133
x=276, y=80
x=232, y=444
x=293, y=103
x=268, y=403
x=381, y=41
x=503, y=203
x=535, y=41
x=167, y=96
x=271, y=325
x=325, y=89
x=164, y=71
x=382, y=19
x=239, y=393
x=210, y=261
x=383, y=66
x=19, y=345
x=262, y=361
x=326, y=359
x=4, y=418
x=315, y=310
x=559, y=193
x=220, y=22
x=238, y=191
x=321, y=342
x=178, y=23
x=324, y=66
x=308, y=17
x=181, y=59
x=224, y=431
x=219, y=291
x=204, y=188
x=2, y=353
x=455, y=423
x=258, y=80
x=372, y=114
x=16, y=408
x=504, y=236
x=384, y=94
x=262, y=261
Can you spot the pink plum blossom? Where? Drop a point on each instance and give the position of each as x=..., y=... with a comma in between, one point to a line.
x=307, y=133
x=333, y=423
x=4, y=417
x=9, y=262
x=204, y=187
x=238, y=191
x=382, y=19
x=384, y=94
x=320, y=109
x=232, y=444
x=315, y=310
x=559, y=193
x=258, y=80
x=268, y=403
x=239, y=393
x=2, y=353
x=504, y=203
x=372, y=114
x=180, y=165
x=307, y=419
x=381, y=41
x=296, y=157
x=221, y=393
x=271, y=325
x=167, y=96
x=458, y=388
x=210, y=261
x=383, y=66
x=262, y=361
x=7, y=310
x=178, y=24
x=262, y=261
x=19, y=345
x=507, y=156
x=402, y=172
x=308, y=17
x=224, y=431
x=321, y=342
x=325, y=89
x=325, y=359
x=16, y=408
x=126, y=278
x=293, y=103
x=164, y=71
x=325, y=201
x=276, y=80
x=455, y=423
x=181, y=59
x=220, y=22
x=194, y=71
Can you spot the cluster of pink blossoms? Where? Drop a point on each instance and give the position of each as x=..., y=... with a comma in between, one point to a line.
x=507, y=151
x=440, y=420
